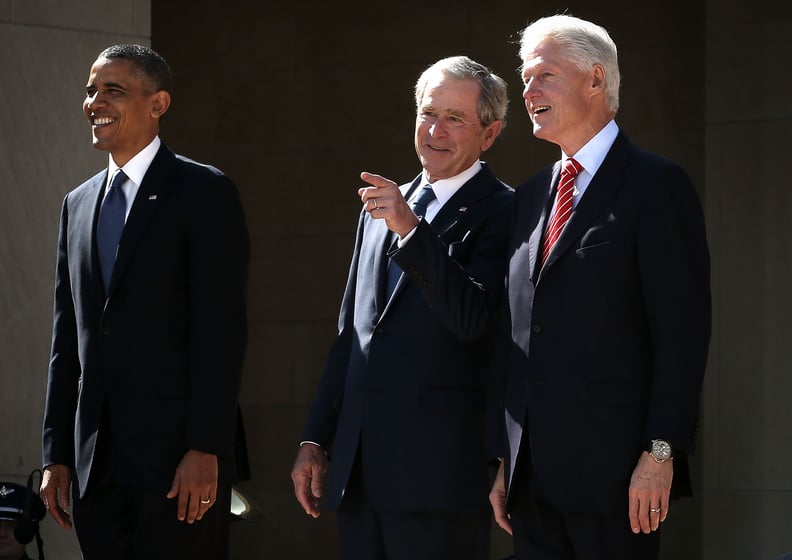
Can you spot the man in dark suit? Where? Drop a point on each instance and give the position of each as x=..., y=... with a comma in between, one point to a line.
x=609, y=308
x=149, y=334
x=401, y=407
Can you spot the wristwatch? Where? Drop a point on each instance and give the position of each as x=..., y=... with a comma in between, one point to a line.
x=660, y=450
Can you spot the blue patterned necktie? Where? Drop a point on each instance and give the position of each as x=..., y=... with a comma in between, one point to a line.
x=419, y=206
x=111, y=223
x=426, y=196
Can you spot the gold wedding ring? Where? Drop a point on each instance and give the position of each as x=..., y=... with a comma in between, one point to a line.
x=207, y=501
x=654, y=510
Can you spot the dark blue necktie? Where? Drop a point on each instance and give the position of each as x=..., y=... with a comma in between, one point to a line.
x=419, y=206
x=111, y=223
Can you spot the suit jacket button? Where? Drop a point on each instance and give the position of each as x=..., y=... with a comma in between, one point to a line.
x=106, y=330
x=536, y=329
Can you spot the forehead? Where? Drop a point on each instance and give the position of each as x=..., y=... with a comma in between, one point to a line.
x=449, y=94
x=116, y=70
x=546, y=55
x=540, y=52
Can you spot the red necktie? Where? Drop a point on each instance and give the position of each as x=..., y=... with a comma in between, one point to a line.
x=563, y=205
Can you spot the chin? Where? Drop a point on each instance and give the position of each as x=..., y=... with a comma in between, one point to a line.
x=541, y=133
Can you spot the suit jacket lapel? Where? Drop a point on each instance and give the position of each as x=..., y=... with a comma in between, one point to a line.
x=152, y=193
x=457, y=208
x=382, y=239
x=87, y=214
x=537, y=235
x=389, y=238
x=452, y=214
x=605, y=183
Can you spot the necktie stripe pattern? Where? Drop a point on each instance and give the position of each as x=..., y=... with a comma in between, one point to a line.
x=419, y=206
x=112, y=215
x=564, y=196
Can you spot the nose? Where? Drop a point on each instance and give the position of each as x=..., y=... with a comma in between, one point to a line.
x=91, y=100
x=529, y=91
x=437, y=128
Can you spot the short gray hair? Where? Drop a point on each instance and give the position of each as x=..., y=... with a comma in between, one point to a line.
x=493, y=99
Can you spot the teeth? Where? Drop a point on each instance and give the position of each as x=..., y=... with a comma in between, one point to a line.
x=103, y=120
x=541, y=109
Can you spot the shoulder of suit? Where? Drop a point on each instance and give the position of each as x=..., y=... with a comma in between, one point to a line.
x=89, y=186
x=191, y=166
x=487, y=184
x=196, y=175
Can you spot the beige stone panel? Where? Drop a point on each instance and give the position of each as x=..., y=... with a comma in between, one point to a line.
x=268, y=379
x=298, y=278
x=313, y=341
x=738, y=525
x=47, y=151
x=142, y=18
x=24, y=352
x=285, y=361
x=124, y=17
x=747, y=51
x=277, y=524
x=59, y=543
x=299, y=194
x=680, y=538
x=747, y=424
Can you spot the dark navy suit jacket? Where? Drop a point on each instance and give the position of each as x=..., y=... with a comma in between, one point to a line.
x=406, y=383
x=609, y=339
x=161, y=353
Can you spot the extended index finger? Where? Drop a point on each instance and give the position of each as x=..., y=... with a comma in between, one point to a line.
x=376, y=180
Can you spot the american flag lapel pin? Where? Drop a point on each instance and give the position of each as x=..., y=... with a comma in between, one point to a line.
x=152, y=197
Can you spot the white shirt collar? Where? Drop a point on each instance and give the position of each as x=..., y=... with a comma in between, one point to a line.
x=591, y=156
x=136, y=167
x=444, y=189
x=593, y=152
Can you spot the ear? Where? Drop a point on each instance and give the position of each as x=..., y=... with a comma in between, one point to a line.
x=490, y=134
x=598, y=78
x=160, y=103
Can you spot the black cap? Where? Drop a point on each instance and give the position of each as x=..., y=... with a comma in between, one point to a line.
x=12, y=500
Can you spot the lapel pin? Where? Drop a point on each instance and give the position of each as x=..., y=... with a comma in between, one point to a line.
x=463, y=208
x=153, y=197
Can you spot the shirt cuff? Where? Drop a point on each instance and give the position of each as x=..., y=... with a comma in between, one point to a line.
x=402, y=240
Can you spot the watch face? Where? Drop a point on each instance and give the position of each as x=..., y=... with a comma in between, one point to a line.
x=661, y=449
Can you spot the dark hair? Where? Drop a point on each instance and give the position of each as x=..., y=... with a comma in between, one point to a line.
x=151, y=65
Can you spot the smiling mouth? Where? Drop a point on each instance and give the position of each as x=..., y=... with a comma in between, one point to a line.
x=437, y=148
x=541, y=109
x=103, y=121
